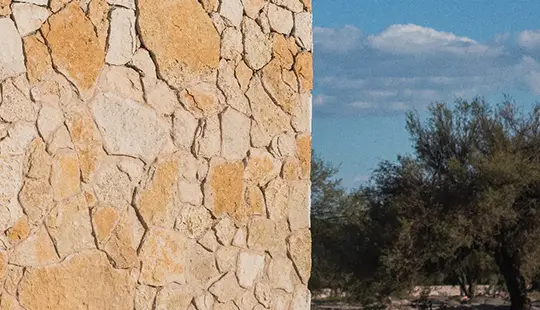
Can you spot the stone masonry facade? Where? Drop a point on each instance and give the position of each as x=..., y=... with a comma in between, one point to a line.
x=155, y=154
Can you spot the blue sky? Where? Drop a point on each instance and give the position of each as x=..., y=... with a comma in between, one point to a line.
x=376, y=59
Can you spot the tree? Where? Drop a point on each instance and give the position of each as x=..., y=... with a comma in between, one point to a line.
x=472, y=186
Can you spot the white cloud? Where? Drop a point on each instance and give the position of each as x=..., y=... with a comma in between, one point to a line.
x=414, y=39
x=337, y=40
x=361, y=179
x=529, y=39
x=361, y=105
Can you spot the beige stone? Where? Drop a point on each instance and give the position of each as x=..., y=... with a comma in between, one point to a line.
x=284, y=49
x=250, y=267
x=194, y=221
x=280, y=273
x=20, y=135
x=65, y=175
x=292, y=170
x=72, y=285
x=293, y=5
x=231, y=44
x=253, y=7
x=134, y=168
x=201, y=266
x=273, y=82
x=9, y=302
x=254, y=201
x=37, y=250
x=301, y=298
x=231, y=11
x=39, y=161
x=301, y=116
x=50, y=118
x=262, y=235
x=261, y=167
x=144, y=297
x=174, y=296
x=243, y=74
x=123, y=81
x=226, y=289
x=76, y=50
x=204, y=302
x=208, y=140
x=19, y=231
x=235, y=140
x=112, y=186
x=303, y=150
x=104, y=220
x=3, y=264
x=277, y=199
x=122, y=245
x=143, y=62
x=257, y=46
x=56, y=5
x=263, y=293
x=280, y=300
x=281, y=20
x=299, y=246
x=239, y=239
x=179, y=62
x=225, y=231
x=11, y=53
x=226, y=258
x=162, y=98
x=38, y=60
x=36, y=198
x=298, y=209
x=98, y=12
x=184, y=127
x=155, y=199
x=225, y=306
x=13, y=277
x=247, y=300
x=163, y=257
x=284, y=145
x=29, y=17
x=228, y=83
x=5, y=9
x=70, y=226
x=307, y=5
x=202, y=100
x=122, y=36
x=303, y=67
x=210, y=5
x=209, y=241
x=303, y=30
x=16, y=103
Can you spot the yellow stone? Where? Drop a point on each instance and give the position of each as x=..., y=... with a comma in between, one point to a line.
x=76, y=50
x=9, y=302
x=280, y=92
x=56, y=5
x=292, y=169
x=36, y=199
x=38, y=60
x=121, y=246
x=210, y=5
x=243, y=75
x=5, y=9
x=156, y=198
x=227, y=182
x=36, y=250
x=104, y=220
x=19, y=231
x=65, y=175
x=83, y=281
x=307, y=5
x=182, y=37
x=284, y=50
x=303, y=67
x=303, y=151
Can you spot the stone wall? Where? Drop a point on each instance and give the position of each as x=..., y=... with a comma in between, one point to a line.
x=155, y=154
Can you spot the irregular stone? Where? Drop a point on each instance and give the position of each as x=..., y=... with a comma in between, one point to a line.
x=179, y=64
x=226, y=306
x=299, y=247
x=29, y=17
x=247, y=300
x=201, y=266
x=303, y=149
x=16, y=104
x=112, y=186
x=209, y=241
x=257, y=46
x=71, y=282
x=292, y=170
x=250, y=267
x=104, y=220
x=235, y=140
x=13, y=278
x=225, y=230
x=231, y=44
x=70, y=226
x=261, y=167
x=122, y=37
x=19, y=231
x=9, y=302
x=280, y=273
x=254, y=201
x=76, y=50
x=20, y=135
x=60, y=140
x=86, y=139
x=174, y=296
x=284, y=145
x=263, y=21
x=298, y=209
x=144, y=64
x=130, y=4
x=301, y=298
x=202, y=100
x=208, y=140
x=98, y=12
x=262, y=235
x=123, y=81
x=190, y=192
x=122, y=245
x=307, y=5
x=134, y=168
x=293, y=5
x=232, y=11
x=218, y=22
x=3, y=264
x=243, y=75
x=303, y=67
x=284, y=50
x=226, y=258
x=38, y=60
x=289, y=77
x=155, y=198
x=226, y=289
x=184, y=127
x=301, y=115
x=280, y=300
x=253, y=7
x=230, y=87
x=39, y=162
x=36, y=199
x=303, y=30
x=239, y=239
x=56, y=5
x=162, y=98
x=268, y=119
x=204, y=302
x=144, y=297
x=128, y=128
x=163, y=257
x=37, y=250
x=273, y=82
x=281, y=20
x=210, y=5
x=263, y=294
x=11, y=53
x=5, y=9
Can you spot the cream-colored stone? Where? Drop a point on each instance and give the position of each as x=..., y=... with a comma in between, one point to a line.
x=225, y=231
x=226, y=258
x=254, y=201
x=280, y=300
x=263, y=236
x=122, y=36
x=3, y=264
x=284, y=145
x=210, y=5
x=261, y=167
x=209, y=241
x=201, y=266
x=112, y=186
x=232, y=11
x=5, y=7
x=36, y=199
x=273, y=82
x=280, y=273
x=235, y=140
x=60, y=139
x=277, y=199
x=243, y=74
x=263, y=294
x=250, y=267
x=123, y=81
x=298, y=209
x=39, y=162
x=20, y=135
x=130, y=4
x=122, y=245
x=226, y=289
x=264, y=22
x=293, y=5
x=16, y=104
x=208, y=140
x=174, y=296
x=128, y=128
x=253, y=7
x=190, y=192
x=37, y=250
x=72, y=285
x=50, y=118
x=301, y=298
x=13, y=277
x=247, y=300
x=307, y=5
x=268, y=119
x=56, y=5
x=76, y=50
x=163, y=257
x=55, y=90
x=303, y=67
x=228, y=83
x=9, y=302
x=184, y=127
x=240, y=237
x=29, y=17
x=11, y=53
x=204, y=302
x=144, y=64
x=155, y=198
x=301, y=115
x=303, y=150
x=299, y=247
x=98, y=12
x=70, y=226
x=180, y=63
x=202, y=100
x=281, y=20
x=38, y=60
x=162, y=98
x=104, y=220
x=19, y=231
x=231, y=44
x=144, y=297
x=225, y=306
x=292, y=170
x=257, y=46
x=218, y=21
x=134, y=168
x=10, y=210
x=195, y=221
x=303, y=30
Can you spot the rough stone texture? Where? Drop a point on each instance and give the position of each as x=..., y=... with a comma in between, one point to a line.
x=155, y=154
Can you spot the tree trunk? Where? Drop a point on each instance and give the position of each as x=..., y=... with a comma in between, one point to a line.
x=510, y=268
